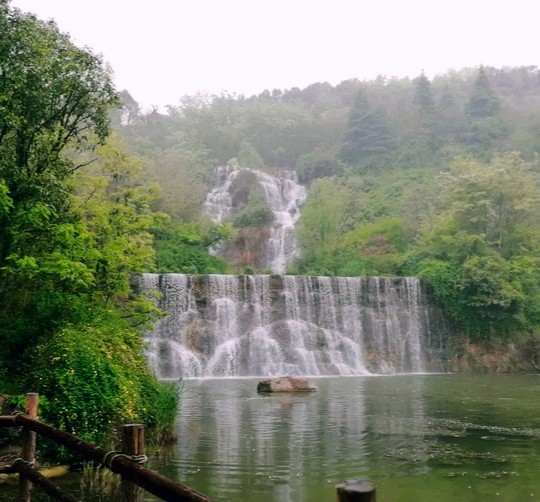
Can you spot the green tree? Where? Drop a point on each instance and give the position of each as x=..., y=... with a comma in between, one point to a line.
x=450, y=119
x=185, y=248
x=482, y=110
x=372, y=249
x=498, y=200
x=53, y=96
x=65, y=258
x=114, y=200
x=483, y=102
x=480, y=257
x=184, y=173
x=323, y=222
x=368, y=135
x=425, y=138
x=249, y=157
x=477, y=287
x=423, y=98
x=256, y=212
x=320, y=163
x=129, y=113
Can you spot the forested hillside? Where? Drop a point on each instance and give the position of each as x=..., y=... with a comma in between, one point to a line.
x=406, y=176
x=438, y=179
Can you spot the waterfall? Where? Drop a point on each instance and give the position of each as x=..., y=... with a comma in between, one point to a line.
x=267, y=325
x=283, y=195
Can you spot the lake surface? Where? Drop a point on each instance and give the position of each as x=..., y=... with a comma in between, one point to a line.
x=416, y=437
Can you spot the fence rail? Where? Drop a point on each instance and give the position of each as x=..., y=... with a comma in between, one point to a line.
x=134, y=476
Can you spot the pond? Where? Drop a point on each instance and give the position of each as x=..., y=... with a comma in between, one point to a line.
x=418, y=438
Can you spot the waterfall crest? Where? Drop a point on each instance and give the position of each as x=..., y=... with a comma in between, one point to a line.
x=267, y=325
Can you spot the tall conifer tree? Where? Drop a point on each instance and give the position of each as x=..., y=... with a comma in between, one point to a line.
x=482, y=110
x=368, y=134
x=483, y=101
x=425, y=141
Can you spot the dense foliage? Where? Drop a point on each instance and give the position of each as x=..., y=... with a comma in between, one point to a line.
x=184, y=248
x=94, y=377
x=436, y=178
x=75, y=222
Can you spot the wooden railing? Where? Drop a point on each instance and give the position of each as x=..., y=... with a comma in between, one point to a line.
x=135, y=478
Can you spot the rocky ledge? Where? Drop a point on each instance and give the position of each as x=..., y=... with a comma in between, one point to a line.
x=286, y=384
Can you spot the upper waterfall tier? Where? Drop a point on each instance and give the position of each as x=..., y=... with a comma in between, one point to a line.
x=262, y=325
x=284, y=197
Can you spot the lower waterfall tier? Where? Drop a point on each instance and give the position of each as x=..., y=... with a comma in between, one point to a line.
x=268, y=325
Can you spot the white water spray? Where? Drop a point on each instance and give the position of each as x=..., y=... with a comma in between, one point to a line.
x=262, y=325
x=283, y=195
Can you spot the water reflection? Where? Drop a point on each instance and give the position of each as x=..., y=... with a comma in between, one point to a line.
x=408, y=434
x=270, y=444
x=265, y=444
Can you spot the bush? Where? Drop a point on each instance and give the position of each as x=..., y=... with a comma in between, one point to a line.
x=480, y=293
x=185, y=249
x=255, y=212
x=95, y=378
x=254, y=217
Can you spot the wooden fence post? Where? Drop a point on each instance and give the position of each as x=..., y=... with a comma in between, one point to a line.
x=28, y=451
x=355, y=491
x=38, y=479
x=132, y=444
x=151, y=481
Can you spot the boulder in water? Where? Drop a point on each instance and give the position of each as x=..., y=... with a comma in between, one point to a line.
x=286, y=384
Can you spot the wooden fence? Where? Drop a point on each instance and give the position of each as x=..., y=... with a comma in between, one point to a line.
x=135, y=478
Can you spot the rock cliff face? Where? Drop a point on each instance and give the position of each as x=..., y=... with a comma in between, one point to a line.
x=248, y=249
x=520, y=356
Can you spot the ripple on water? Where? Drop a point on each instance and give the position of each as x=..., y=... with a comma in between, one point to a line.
x=397, y=432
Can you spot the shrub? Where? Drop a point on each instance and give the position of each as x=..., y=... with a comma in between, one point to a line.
x=95, y=378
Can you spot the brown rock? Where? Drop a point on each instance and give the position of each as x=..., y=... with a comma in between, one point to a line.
x=286, y=384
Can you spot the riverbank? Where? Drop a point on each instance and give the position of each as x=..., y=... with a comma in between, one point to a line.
x=519, y=356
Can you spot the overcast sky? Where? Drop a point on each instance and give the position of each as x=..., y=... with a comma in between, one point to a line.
x=163, y=49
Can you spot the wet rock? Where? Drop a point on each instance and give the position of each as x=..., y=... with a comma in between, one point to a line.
x=286, y=384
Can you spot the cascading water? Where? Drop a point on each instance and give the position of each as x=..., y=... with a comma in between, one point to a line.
x=283, y=195
x=262, y=325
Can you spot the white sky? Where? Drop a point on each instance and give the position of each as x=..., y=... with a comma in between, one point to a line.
x=163, y=49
